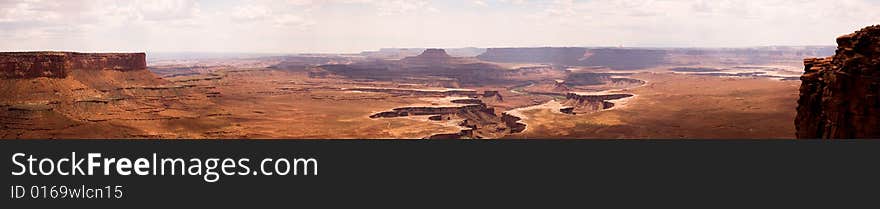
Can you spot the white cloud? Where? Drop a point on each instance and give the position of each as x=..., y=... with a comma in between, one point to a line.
x=516, y=2
x=351, y=25
x=158, y=10
x=707, y=22
x=251, y=13
x=289, y=13
x=395, y=7
x=37, y=10
x=288, y=20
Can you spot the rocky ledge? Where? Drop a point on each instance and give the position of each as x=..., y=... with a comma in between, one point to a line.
x=586, y=103
x=840, y=95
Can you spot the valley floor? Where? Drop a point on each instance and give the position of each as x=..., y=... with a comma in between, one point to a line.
x=267, y=103
x=676, y=106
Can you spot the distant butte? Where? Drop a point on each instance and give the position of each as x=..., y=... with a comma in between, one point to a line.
x=435, y=54
x=430, y=56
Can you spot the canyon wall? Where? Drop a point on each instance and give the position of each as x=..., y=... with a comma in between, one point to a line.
x=840, y=95
x=59, y=64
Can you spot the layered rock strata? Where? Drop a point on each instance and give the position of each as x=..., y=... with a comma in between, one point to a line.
x=478, y=120
x=840, y=95
x=90, y=95
x=24, y=65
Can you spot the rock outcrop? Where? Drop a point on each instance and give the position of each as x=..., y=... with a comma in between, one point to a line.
x=560, y=86
x=60, y=64
x=586, y=103
x=478, y=120
x=840, y=95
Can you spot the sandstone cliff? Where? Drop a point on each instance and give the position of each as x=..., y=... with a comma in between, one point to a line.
x=92, y=95
x=840, y=95
x=59, y=64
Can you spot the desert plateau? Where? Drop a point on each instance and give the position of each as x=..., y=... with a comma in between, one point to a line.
x=501, y=93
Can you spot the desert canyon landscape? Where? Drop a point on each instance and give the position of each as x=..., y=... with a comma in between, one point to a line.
x=568, y=69
x=466, y=93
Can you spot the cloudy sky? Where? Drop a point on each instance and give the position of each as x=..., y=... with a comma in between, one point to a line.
x=327, y=26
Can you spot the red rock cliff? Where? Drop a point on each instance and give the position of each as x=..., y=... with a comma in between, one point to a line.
x=840, y=95
x=58, y=64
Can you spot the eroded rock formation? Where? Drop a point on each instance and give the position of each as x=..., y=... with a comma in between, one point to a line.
x=840, y=95
x=477, y=119
x=586, y=103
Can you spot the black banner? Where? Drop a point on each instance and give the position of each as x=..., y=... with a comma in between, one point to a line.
x=464, y=174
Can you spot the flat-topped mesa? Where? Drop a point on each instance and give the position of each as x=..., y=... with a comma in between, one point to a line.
x=840, y=95
x=59, y=64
